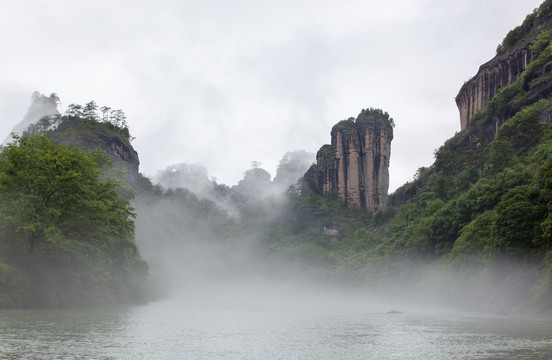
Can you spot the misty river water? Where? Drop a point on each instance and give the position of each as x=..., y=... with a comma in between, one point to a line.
x=232, y=323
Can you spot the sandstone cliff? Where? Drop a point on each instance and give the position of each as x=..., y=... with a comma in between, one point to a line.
x=513, y=57
x=501, y=71
x=355, y=167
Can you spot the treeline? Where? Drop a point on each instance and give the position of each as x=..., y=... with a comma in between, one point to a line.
x=90, y=113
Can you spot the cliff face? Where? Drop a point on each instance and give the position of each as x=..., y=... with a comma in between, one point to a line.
x=70, y=132
x=355, y=167
x=501, y=71
x=514, y=55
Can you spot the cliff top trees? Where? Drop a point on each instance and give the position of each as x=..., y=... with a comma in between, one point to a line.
x=90, y=111
x=378, y=113
x=535, y=19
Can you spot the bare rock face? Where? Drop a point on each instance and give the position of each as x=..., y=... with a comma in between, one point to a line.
x=513, y=57
x=355, y=167
x=120, y=151
x=501, y=71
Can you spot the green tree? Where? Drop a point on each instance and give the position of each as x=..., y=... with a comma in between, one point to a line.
x=53, y=198
x=74, y=110
x=476, y=243
x=90, y=111
x=519, y=215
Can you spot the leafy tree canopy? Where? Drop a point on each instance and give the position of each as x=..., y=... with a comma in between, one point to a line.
x=53, y=199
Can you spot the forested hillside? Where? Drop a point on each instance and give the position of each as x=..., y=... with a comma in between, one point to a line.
x=66, y=222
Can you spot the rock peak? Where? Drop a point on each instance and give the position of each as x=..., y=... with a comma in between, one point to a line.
x=355, y=167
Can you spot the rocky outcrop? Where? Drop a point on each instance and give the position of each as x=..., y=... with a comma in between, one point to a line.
x=513, y=57
x=355, y=167
x=71, y=132
x=501, y=71
x=85, y=133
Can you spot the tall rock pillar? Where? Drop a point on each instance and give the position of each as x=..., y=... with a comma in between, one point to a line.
x=355, y=167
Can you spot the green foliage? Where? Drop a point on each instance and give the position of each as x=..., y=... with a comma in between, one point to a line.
x=542, y=53
x=517, y=135
x=520, y=32
x=518, y=216
x=476, y=245
x=543, y=79
x=346, y=123
x=510, y=99
x=83, y=120
x=55, y=208
x=89, y=128
x=378, y=113
x=53, y=196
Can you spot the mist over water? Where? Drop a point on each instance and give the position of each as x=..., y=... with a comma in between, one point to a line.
x=204, y=242
x=256, y=320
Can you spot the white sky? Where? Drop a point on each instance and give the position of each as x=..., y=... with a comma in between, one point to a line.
x=224, y=83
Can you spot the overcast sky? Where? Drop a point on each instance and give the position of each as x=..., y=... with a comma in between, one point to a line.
x=225, y=83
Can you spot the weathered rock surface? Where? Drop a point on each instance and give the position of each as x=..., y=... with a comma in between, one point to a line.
x=355, y=167
x=119, y=150
x=503, y=70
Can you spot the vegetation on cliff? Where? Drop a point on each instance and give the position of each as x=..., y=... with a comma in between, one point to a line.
x=82, y=121
x=376, y=113
x=530, y=26
x=67, y=229
x=533, y=84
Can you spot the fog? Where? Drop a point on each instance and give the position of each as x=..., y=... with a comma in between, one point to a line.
x=214, y=247
x=41, y=107
x=197, y=231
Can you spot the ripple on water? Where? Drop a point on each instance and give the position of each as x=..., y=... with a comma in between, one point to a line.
x=175, y=329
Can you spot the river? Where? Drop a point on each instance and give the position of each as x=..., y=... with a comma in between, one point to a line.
x=233, y=323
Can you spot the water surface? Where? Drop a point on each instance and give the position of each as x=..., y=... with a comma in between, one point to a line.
x=238, y=325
